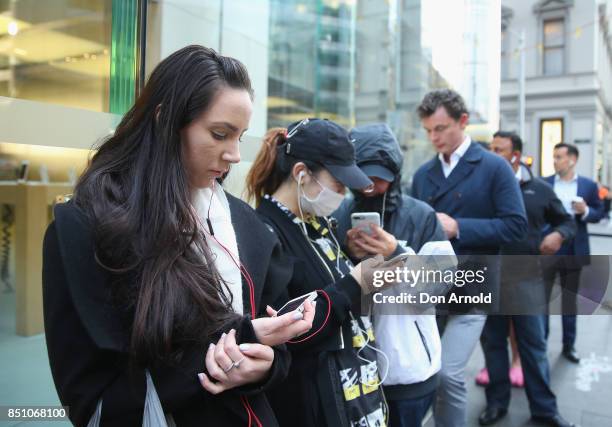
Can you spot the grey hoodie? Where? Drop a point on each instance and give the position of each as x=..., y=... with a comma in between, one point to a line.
x=413, y=347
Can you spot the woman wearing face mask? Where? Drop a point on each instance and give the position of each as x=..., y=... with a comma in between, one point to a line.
x=298, y=179
x=152, y=268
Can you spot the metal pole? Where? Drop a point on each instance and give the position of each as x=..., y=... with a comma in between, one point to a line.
x=521, y=82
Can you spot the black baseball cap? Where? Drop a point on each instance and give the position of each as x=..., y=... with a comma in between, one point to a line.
x=327, y=143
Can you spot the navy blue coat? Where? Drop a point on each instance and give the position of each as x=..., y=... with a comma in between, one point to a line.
x=482, y=194
x=587, y=189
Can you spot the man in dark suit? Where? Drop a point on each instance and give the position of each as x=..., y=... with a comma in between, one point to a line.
x=580, y=197
x=479, y=204
x=523, y=296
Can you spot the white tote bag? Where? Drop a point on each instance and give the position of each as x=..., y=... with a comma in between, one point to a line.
x=153, y=413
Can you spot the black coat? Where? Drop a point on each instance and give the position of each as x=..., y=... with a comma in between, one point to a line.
x=544, y=211
x=522, y=288
x=87, y=341
x=309, y=396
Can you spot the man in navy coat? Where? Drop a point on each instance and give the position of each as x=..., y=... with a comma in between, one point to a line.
x=580, y=197
x=479, y=204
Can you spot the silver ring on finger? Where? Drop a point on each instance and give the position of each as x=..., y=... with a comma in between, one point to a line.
x=237, y=364
x=229, y=368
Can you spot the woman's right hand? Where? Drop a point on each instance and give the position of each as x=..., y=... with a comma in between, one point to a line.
x=275, y=330
x=232, y=365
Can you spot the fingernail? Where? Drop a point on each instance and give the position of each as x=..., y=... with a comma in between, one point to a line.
x=244, y=347
x=298, y=316
x=223, y=335
x=211, y=346
x=201, y=376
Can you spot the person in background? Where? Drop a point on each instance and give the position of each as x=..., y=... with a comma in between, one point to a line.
x=478, y=202
x=580, y=197
x=414, y=360
x=523, y=289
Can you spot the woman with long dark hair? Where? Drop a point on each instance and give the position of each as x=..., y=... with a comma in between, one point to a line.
x=152, y=267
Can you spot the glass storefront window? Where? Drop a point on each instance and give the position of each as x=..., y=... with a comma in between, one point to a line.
x=56, y=51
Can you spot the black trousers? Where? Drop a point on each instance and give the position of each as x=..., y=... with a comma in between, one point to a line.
x=570, y=282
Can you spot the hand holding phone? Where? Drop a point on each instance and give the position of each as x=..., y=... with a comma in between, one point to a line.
x=578, y=205
x=292, y=320
x=297, y=304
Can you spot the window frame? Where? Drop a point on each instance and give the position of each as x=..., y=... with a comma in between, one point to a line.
x=561, y=45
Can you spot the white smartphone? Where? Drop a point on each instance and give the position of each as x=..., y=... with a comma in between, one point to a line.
x=297, y=304
x=362, y=220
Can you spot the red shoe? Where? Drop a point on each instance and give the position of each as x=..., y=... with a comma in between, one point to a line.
x=516, y=377
x=482, y=378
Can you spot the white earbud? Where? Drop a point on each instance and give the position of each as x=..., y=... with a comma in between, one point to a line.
x=302, y=173
x=513, y=159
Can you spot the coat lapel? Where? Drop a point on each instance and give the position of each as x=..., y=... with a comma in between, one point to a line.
x=581, y=189
x=466, y=165
x=254, y=248
x=435, y=174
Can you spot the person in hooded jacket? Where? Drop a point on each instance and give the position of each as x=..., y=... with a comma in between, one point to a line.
x=415, y=359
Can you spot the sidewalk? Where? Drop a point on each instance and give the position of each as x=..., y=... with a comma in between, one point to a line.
x=584, y=391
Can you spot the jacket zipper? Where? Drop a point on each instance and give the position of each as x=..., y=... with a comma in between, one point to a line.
x=423, y=340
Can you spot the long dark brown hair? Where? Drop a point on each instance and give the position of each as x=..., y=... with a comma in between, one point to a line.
x=136, y=192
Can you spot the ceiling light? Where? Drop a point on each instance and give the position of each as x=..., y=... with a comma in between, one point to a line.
x=12, y=28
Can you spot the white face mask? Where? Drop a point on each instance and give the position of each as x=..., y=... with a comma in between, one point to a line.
x=326, y=202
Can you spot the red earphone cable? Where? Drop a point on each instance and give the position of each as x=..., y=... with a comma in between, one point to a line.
x=246, y=407
x=257, y=420
x=320, y=327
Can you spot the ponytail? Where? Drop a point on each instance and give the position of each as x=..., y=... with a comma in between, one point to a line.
x=265, y=175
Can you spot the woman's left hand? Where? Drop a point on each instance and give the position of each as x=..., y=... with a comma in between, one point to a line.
x=233, y=365
x=275, y=330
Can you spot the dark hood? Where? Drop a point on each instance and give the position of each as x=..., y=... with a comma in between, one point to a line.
x=376, y=144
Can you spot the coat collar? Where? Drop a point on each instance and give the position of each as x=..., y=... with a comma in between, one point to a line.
x=256, y=245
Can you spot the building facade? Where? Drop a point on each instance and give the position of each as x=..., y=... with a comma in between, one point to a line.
x=568, y=84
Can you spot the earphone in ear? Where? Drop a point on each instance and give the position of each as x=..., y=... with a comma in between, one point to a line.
x=513, y=159
x=302, y=173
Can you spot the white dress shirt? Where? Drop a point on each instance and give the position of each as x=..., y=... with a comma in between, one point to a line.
x=221, y=220
x=518, y=174
x=567, y=191
x=447, y=168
